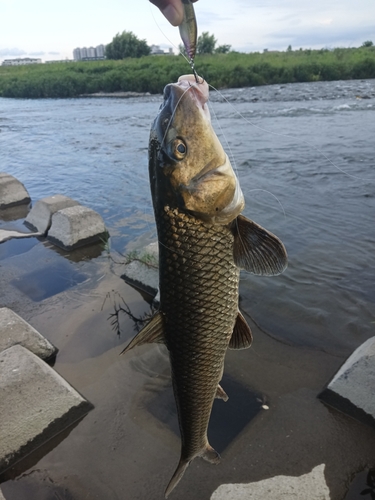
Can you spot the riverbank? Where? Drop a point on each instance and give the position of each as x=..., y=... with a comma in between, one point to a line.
x=272, y=425
x=151, y=74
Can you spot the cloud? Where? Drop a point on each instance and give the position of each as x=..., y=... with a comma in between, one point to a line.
x=12, y=52
x=319, y=36
x=53, y=53
x=36, y=53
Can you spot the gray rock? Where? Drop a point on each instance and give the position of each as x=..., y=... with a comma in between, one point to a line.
x=143, y=271
x=352, y=389
x=35, y=405
x=310, y=486
x=1, y=495
x=39, y=217
x=76, y=226
x=12, y=191
x=16, y=331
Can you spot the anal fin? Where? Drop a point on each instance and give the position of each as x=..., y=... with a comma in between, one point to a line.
x=221, y=394
x=153, y=332
x=241, y=336
x=211, y=455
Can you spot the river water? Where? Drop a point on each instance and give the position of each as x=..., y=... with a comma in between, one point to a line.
x=304, y=154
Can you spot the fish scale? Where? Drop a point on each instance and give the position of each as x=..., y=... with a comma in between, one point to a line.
x=199, y=290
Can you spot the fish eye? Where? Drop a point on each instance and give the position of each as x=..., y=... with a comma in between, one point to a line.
x=179, y=149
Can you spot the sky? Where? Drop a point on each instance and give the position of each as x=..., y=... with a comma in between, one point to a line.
x=50, y=29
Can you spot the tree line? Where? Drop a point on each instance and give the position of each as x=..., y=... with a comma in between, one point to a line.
x=151, y=74
x=127, y=44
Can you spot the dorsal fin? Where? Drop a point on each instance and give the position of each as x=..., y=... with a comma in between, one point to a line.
x=241, y=336
x=153, y=332
x=257, y=250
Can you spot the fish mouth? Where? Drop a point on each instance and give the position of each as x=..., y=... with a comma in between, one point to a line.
x=210, y=170
x=198, y=87
x=196, y=90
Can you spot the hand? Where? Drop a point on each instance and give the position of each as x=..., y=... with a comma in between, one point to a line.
x=171, y=9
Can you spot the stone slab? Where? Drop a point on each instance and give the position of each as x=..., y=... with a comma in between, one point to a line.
x=12, y=191
x=6, y=235
x=40, y=216
x=36, y=404
x=311, y=486
x=16, y=331
x=76, y=226
x=352, y=389
x=142, y=271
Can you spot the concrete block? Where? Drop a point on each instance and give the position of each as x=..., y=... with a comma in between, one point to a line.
x=310, y=486
x=12, y=191
x=16, y=331
x=142, y=271
x=352, y=389
x=76, y=226
x=40, y=216
x=36, y=404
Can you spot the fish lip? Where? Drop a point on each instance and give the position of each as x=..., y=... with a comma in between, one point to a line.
x=197, y=92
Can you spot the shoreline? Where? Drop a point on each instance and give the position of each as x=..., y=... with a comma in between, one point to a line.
x=134, y=407
x=121, y=95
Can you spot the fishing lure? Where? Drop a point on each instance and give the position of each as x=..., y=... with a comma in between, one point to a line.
x=189, y=32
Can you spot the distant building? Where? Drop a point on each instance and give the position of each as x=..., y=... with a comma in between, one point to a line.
x=89, y=54
x=100, y=50
x=59, y=61
x=21, y=61
x=156, y=50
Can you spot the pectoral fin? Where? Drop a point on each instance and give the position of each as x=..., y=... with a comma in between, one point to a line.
x=257, y=250
x=153, y=332
x=241, y=336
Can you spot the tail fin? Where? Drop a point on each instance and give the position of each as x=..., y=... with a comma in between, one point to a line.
x=179, y=472
x=208, y=453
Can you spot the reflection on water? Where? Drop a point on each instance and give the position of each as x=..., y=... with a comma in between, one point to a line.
x=363, y=486
x=48, y=281
x=242, y=406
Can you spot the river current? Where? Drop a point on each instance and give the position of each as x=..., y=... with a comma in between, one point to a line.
x=304, y=154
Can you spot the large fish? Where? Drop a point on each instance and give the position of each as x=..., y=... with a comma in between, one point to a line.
x=203, y=243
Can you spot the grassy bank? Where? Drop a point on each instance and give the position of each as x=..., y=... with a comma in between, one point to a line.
x=152, y=73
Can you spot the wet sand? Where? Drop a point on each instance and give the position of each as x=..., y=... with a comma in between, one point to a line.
x=128, y=446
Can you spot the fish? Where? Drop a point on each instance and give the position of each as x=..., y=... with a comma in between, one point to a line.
x=204, y=241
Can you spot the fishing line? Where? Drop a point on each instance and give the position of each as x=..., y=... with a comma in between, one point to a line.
x=165, y=36
x=297, y=139
x=288, y=136
x=235, y=164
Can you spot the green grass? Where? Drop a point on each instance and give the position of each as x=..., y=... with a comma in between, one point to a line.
x=152, y=73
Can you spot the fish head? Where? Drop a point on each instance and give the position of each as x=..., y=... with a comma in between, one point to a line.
x=189, y=168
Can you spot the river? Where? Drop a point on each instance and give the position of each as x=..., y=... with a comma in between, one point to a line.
x=304, y=154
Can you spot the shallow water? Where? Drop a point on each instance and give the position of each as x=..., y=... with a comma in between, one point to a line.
x=290, y=156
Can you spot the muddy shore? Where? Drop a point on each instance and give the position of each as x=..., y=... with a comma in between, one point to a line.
x=128, y=446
